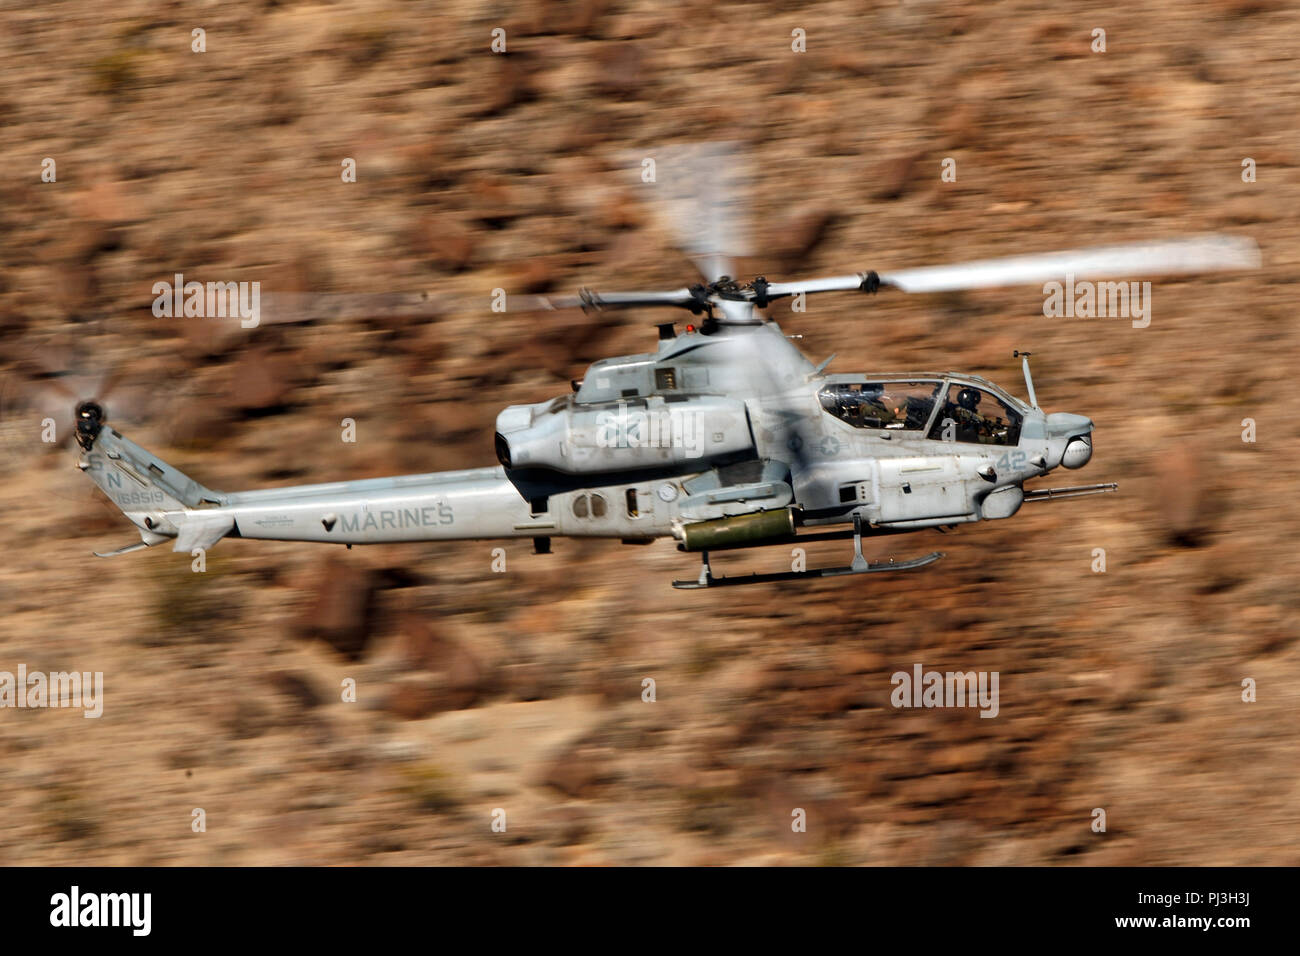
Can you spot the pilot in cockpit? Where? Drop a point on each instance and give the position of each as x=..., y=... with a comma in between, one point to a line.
x=966, y=415
x=895, y=409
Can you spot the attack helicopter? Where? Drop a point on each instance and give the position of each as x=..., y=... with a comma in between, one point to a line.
x=723, y=437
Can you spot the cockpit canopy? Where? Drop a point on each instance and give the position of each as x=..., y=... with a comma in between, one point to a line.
x=892, y=405
x=942, y=410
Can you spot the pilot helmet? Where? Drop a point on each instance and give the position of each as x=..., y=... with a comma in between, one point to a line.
x=968, y=398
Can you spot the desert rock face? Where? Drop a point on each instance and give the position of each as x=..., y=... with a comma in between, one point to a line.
x=523, y=690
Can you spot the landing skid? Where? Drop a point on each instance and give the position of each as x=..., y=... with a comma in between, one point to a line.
x=860, y=565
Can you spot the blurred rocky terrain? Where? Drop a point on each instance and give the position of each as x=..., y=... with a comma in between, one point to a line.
x=522, y=691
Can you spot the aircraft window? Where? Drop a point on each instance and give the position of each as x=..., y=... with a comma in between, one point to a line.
x=905, y=405
x=589, y=506
x=970, y=414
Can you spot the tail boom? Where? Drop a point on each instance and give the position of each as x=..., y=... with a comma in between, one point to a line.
x=164, y=503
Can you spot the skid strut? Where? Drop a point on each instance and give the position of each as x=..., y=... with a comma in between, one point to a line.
x=859, y=565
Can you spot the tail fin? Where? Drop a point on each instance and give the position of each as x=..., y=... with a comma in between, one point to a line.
x=160, y=500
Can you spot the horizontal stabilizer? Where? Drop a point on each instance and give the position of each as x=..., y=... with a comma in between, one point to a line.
x=125, y=549
x=203, y=529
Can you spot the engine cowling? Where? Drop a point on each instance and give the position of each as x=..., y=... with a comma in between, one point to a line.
x=640, y=433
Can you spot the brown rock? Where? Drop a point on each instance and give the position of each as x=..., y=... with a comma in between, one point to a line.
x=247, y=719
x=462, y=676
x=1184, y=500
x=511, y=82
x=576, y=773
x=494, y=201
x=261, y=379
x=342, y=606
x=577, y=17
x=568, y=825
x=296, y=687
x=1247, y=210
x=444, y=243
x=831, y=818
x=801, y=234
x=1265, y=630
x=620, y=70
x=534, y=275
x=1224, y=568
x=852, y=61
x=412, y=699
x=961, y=126
x=528, y=680
x=105, y=200
x=422, y=645
x=894, y=177
x=936, y=789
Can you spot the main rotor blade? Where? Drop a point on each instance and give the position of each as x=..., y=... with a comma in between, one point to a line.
x=1209, y=253
x=777, y=290
x=296, y=307
x=591, y=301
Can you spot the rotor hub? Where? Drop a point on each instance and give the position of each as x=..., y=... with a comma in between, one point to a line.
x=90, y=419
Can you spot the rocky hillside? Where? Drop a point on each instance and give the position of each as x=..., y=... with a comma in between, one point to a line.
x=522, y=690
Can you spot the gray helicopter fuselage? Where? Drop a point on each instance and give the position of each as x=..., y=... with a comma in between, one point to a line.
x=733, y=423
x=785, y=448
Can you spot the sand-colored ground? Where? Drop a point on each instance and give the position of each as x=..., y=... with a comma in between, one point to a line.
x=522, y=691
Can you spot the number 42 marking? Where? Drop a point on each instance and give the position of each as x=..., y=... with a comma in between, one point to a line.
x=1012, y=461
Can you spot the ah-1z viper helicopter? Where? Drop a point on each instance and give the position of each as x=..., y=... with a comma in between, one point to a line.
x=724, y=437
